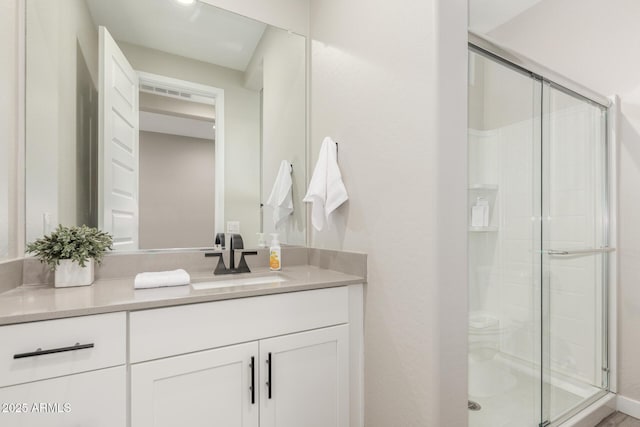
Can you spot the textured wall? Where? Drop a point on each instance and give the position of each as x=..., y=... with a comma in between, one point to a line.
x=389, y=84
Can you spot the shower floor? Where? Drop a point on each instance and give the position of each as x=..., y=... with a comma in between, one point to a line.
x=517, y=403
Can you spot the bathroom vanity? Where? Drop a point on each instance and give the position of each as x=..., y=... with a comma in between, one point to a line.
x=164, y=148
x=273, y=354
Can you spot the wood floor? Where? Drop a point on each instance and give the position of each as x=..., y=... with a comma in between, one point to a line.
x=619, y=420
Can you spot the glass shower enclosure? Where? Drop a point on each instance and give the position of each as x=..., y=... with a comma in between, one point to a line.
x=538, y=247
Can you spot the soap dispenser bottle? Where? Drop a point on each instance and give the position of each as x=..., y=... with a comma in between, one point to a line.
x=275, y=254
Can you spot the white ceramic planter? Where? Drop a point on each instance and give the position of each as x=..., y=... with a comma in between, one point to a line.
x=69, y=273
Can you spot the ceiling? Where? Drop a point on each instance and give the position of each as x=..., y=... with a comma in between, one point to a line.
x=199, y=31
x=487, y=15
x=592, y=42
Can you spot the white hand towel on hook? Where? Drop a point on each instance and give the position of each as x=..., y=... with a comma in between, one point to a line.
x=326, y=189
x=281, y=199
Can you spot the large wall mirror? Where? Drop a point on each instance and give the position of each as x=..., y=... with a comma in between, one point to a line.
x=163, y=122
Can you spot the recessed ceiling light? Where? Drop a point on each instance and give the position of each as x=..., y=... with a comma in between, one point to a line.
x=186, y=1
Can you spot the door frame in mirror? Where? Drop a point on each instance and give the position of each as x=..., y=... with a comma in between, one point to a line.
x=217, y=97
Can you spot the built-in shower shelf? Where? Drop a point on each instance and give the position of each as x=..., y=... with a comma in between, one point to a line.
x=483, y=229
x=484, y=187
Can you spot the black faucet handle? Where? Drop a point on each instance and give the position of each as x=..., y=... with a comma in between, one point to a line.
x=243, y=267
x=220, y=240
x=220, y=267
x=235, y=242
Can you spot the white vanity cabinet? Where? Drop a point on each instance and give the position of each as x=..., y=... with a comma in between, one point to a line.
x=283, y=360
x=305, y=379
x=289, y=381
x=66, y=372
x=270, y=361
x=207, y=388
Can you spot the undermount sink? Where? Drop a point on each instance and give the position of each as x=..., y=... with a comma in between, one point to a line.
x=244, y=281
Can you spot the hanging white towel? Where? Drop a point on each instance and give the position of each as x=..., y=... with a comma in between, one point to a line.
x=160, y=279
x=281, y=199
x=326, y=189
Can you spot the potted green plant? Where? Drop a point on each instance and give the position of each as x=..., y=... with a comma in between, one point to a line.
x=72, y=252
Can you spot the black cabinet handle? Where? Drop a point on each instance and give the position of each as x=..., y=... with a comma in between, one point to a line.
x=253, y=380
x=269, y=381
x=40, y=352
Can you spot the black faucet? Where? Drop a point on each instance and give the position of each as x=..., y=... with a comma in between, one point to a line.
x=235, y=243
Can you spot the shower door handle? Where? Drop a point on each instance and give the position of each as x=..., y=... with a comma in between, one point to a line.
x=570, y=252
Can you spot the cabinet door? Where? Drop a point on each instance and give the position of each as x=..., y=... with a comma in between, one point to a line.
x=305, y=379
x=207, y=388
x=95, y=399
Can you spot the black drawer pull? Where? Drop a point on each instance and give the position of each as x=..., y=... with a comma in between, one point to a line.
x=40, y=352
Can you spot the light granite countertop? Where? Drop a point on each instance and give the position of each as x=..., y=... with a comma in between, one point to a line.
x=30, y=303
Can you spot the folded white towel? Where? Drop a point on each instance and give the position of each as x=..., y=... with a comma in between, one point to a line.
x=281, y=199
x=326, y=190
x=160, y=279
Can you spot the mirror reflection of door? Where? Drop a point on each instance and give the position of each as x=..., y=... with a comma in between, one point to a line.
x=118, y=140
x=157, y=156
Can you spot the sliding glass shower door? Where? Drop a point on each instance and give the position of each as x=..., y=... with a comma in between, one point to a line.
x=504, y=249
x=574, y=251
x=538, y=236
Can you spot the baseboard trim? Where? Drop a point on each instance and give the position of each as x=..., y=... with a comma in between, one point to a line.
x=628, y=406
x=592, y=414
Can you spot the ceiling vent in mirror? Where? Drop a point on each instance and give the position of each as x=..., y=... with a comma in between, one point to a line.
x=171, y=92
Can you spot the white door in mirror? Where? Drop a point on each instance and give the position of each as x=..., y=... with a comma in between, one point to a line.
x=70, y=273
x=118, y=135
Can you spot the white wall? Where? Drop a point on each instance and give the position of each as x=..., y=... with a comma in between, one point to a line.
x=241, y=127
x=8, y=125
x=54, y=32
x=560, y=35
x=389, y=83
x=177, y=181
x=281, y=60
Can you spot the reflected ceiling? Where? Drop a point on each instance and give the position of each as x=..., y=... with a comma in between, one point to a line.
x=185, y=30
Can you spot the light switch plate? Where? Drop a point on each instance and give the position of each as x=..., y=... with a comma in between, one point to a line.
x=233, y=227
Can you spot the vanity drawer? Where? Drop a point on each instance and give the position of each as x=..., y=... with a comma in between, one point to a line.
x=90, y=399
x=52, y=348
x=170, y=331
